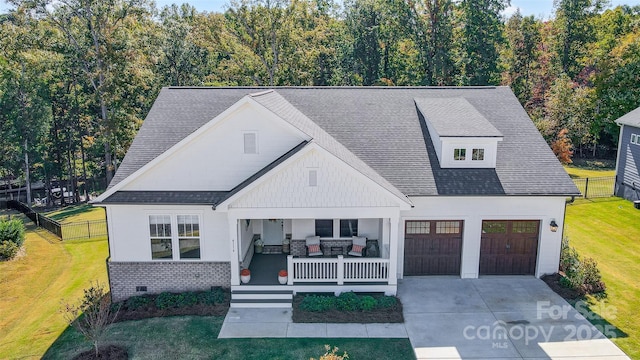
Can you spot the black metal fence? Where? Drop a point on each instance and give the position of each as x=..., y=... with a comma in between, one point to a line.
x=596, y=186
x=69, y=231
x=84, y=230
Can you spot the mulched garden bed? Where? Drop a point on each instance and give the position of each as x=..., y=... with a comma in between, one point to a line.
x=204, y=303
x=378, y=315
x=152, y=311
x=553, y=281
x=109, y=352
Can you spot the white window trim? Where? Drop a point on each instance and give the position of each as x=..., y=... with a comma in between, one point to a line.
x=244, y=147
x=473, y=149
x=635, y=139
x=465, y=154
x=175, y=242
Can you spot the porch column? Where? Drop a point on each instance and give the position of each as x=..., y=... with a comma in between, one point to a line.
x=234, y=239
x=393, y=249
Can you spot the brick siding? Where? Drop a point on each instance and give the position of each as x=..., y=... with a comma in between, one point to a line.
x=124, y=277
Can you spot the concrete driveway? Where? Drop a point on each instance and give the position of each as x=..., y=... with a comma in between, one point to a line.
x=509, y=317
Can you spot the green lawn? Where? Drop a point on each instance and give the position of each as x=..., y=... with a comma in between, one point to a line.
x=77, y=213
x=576, y=172
x=194, y=337
x=608, y=230
x=33, y=285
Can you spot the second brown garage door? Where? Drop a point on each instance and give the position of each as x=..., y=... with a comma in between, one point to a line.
x=432, y=247
x=509, y=247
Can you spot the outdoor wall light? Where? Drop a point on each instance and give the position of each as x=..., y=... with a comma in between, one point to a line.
x=553, y=225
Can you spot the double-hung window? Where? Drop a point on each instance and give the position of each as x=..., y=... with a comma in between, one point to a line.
x=163, y=240
x=160, y=233
x=189, y=236
x=348, y=227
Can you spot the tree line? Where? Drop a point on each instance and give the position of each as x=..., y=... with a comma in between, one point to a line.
x=77, y=77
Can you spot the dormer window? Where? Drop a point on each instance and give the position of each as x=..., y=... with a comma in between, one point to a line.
x=461, y=135
x=250, y=142
x=477, y=155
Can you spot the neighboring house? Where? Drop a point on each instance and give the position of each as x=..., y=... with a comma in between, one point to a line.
x=441, y=181
x=628, y=162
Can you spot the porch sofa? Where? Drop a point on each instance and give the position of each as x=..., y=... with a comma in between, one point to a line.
x=299, y=247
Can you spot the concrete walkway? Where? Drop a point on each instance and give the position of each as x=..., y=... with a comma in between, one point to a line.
x=276, y=323
x=451, y=318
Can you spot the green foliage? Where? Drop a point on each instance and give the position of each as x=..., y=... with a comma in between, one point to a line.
x=13, y=231
x=318, y=303
x=11, y=238
x=581, y=275
x=368, y=303
x=8, y=250
x=387, y=302
x=346, y=301
x=93, y=316
x=137, y=302
x=167, y=300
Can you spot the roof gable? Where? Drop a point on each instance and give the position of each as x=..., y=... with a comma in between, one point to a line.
x=631, y=119
x=335, y=185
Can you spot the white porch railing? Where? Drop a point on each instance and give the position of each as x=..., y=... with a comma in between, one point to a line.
x=338, y=270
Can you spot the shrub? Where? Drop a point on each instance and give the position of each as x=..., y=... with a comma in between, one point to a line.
x=137, y=302
x=348, y=301
x=187, y=299
x=8, y=250
x=93, y=315
x=13, y=231
x=167, y=300
x=592, y=278
x=212, y=297
x=581, y=275
x=386, y=302
x=569, y=258
x=368, y=303
x=318, y=303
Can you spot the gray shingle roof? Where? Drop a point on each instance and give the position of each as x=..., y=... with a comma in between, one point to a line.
x=382, y=128
x=632, y=118
x=456, y=117
x=167, y=197
x=281, y=107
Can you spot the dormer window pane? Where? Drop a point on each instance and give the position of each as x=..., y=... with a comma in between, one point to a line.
x=477, y=154
x=459, y=154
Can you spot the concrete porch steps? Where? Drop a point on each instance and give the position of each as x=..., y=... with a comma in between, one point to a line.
x=261, y=297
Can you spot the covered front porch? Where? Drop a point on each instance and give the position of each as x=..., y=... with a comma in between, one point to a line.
x=284, y=248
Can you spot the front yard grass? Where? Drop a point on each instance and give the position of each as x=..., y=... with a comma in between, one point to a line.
x=195, y=337
x=33, y=285
x=608, y=231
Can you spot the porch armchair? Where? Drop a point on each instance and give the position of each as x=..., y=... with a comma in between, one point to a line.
x=313, y=246
x=357, y=248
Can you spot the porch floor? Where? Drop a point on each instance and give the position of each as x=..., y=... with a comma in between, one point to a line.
x=264, y=268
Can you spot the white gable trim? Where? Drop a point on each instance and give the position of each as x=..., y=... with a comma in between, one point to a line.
x=228, y=113
x=403, y=203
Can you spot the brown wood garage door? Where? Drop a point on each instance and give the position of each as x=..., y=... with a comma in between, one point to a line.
x=432, y=247
x=509, y=247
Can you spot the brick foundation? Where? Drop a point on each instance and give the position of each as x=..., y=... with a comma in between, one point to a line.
x=124, y=277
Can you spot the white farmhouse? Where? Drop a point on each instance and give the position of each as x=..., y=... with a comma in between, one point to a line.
x=376, y=183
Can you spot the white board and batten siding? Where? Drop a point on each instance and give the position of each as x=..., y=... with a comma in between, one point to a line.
x=216, y=159
x=473, y=210
x=332, y=186
x=130, y=238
